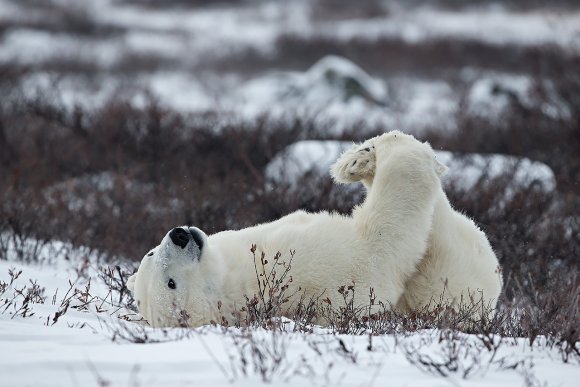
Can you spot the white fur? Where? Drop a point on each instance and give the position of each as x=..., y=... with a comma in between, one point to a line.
x=459, y=267
x=379, y=246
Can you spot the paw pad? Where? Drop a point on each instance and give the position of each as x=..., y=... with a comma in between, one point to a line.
x=355, y=164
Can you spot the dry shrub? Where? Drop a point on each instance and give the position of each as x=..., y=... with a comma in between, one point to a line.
x=344, y=9
x=164, y=4
x=160, y=169
x=62, y=17
x=18, y=302
x=386, y=56
x=118, y=178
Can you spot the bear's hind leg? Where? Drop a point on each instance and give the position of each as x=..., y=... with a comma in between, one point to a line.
x=356, y=164
x=396, y=216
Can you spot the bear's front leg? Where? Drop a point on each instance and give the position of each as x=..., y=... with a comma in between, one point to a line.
x=356, y=164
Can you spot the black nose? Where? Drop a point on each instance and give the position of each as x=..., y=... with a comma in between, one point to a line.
x=180, y=237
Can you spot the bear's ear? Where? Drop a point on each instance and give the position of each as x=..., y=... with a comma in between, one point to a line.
x=131, y=283
x=440, y=168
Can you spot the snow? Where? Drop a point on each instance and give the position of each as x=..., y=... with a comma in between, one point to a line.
x=505, y=89
x=304, y=156
x=179, y=90
x=331, y=79
x=426, y=104
x=259, y=25
x=326, y=90
x=84, y=348
x=465, y=170
x=240, y=27
x=333, y=87
x=492, y=26
x=28, y=46
x=188, y=37
x=491, y=94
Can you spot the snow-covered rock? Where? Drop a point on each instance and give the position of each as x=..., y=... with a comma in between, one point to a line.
x=302, y=157
x=332, y=79
x=493, y=95
x=465, y=170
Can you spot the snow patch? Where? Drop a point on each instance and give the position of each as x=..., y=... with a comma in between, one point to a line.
x=425, y=104
x=493, y=95
x=492, y=26
x=332, y=79
x=465, y=170
x=26, y=46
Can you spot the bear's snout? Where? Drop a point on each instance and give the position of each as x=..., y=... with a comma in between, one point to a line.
x=180, y=237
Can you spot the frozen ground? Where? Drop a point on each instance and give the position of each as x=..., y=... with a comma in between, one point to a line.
x=88, y=345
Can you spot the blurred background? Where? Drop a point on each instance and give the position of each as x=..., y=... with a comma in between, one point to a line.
x=120, y=119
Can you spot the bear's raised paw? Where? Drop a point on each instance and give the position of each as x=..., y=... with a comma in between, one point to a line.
x=356, y=164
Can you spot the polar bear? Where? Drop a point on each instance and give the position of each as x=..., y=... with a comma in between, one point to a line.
x=458, y=269
x=381, y=245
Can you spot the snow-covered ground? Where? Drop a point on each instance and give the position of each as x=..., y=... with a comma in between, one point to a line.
x=90, y=345
x=198, y=32
x=495, y=26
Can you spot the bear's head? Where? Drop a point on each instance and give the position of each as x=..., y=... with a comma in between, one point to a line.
x=169, y=283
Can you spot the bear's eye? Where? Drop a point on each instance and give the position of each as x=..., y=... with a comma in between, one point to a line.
x=171, y=283
x=150, y=253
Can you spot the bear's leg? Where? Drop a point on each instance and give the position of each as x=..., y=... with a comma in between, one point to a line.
x=356, y=164
x=396, y=216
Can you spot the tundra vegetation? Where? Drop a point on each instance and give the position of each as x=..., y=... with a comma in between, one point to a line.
x=112, y=178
